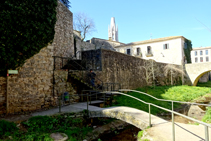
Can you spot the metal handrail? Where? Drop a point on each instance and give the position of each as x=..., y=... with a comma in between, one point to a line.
x=172, y=111
x=192, y=103
x=112, y=86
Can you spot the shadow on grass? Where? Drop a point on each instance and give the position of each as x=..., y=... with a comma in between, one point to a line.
x=205, y=84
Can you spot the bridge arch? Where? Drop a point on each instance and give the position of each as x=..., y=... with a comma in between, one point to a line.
x=196, y=71
x=198, y=77
x=134, y=117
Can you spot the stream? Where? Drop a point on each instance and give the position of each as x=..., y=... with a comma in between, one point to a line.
x=129, y=133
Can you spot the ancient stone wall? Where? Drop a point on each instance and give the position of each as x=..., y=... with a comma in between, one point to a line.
x=129, y=71
x=80, y=45
x=32, y=88
x=104, y=44
x=2, y=95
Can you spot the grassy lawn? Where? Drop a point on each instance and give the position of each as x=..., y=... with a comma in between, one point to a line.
x=39, y=128
x=178, y=93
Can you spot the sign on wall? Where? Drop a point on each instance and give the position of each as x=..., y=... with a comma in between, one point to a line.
x=12, y=71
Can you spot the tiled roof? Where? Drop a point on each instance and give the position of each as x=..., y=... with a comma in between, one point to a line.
x=152, y=40
x=201, y=48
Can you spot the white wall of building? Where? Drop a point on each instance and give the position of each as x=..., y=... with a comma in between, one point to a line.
x=173, y=54
x=197, y=57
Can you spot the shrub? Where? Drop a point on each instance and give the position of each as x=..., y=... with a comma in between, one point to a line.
x=40, y=123
x=7, y=127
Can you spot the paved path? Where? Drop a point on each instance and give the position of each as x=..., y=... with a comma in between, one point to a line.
x=161, y=130
x=183, y=132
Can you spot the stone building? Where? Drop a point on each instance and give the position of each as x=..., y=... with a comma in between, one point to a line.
x=165, y=50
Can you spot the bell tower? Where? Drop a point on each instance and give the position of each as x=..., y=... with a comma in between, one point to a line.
x=113, y=31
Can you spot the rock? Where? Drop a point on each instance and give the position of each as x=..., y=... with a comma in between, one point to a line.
x=196, y=112
x=59, y=136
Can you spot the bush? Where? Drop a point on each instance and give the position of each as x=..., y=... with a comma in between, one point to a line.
x=7, y=127
x=40, y=123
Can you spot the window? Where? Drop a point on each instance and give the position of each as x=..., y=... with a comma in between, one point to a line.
x=165, y=46
x=196, y=60
x=207, y=59
x=149, y=50
x=185, y=45
x=206, y=52
x=201, y=52
x=195, y=53
x=201, y=59
x=138, y=51
x=128, y=51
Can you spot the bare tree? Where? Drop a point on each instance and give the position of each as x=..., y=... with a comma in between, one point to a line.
x=84, y=24
x=150, y=68
x=174, y=71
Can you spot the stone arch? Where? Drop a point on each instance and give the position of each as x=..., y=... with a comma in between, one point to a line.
x=120, y=114
x=196, y=70
x=198, y=77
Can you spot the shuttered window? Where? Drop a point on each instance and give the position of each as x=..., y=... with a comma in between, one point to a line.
x=165, y=46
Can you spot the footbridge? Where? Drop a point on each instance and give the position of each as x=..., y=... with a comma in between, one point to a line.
x=143, y=120
x=197, y=70
x=161, y=130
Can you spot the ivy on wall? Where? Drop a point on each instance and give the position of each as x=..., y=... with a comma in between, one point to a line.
x=26, y=26
x=187, y=50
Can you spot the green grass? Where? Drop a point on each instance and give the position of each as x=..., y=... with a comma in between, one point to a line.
x=40, y=127
x=207, y=117
x=178, y=93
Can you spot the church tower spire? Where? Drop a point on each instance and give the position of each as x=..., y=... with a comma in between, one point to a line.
x=113, y=31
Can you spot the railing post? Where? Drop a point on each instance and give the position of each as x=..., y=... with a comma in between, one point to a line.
x=206, y=133
x=149, y=115
x=62, y=64
x=173, y=128
x=96, y=95
x=87, y=105
x=90, y=96
x=104, y=99
x=60, y=99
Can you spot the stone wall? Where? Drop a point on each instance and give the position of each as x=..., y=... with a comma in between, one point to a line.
x=2, y=95
x=32, y=88
x=105, y=44
x=127, y=70
x=80, y=45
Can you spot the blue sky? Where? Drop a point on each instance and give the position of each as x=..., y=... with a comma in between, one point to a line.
x=139, y=19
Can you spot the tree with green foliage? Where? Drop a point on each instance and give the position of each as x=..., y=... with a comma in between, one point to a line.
x=187, y=50
x=66, y=3
x=26, y=27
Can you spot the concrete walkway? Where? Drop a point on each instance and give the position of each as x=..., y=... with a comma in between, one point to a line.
x=161, y=130
x=77, y=107
x=183, y=132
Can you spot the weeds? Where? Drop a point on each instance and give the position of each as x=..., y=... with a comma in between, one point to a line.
x=40, y=127
x=207, y=117
x=7, y=128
